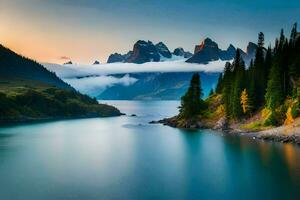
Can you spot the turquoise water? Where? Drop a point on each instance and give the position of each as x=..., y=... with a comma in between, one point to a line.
x=127, y=158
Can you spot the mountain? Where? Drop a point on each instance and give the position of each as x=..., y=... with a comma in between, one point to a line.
x=209, y=50
x=116, y=57
x=228, y=54
x=96, y=62
x=250, y=52
x=146, y=51
x=29, y=92
x=163, y=50
x=68, y=63
x=157, y=86
x=180, y=52
x=14, y=65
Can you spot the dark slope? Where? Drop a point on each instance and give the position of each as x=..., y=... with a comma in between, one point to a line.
x=17, y=66
x=29, y=92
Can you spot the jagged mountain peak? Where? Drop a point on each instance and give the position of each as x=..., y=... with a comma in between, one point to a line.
x=179, y=51
x=96, y=62
x=163, y=50
x=251, y=48
x=68, y=63
x=143, y=42
x=209, y=42
x=143, y=51
x=115, y=57
x=231, y=47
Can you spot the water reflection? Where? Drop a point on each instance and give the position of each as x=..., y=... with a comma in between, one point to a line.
x=126, y=158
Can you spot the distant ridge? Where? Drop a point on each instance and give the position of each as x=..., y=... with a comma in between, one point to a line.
x=207, y=51
x=146, y=51
x=14, y=65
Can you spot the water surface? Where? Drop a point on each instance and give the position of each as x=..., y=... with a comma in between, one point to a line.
x=127, y=158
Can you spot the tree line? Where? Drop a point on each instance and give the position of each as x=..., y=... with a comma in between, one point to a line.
x=271, y=77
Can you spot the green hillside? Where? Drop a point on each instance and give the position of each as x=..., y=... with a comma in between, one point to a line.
x=29, y=92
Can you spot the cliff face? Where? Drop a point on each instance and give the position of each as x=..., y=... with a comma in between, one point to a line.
x=163, y=50
x=144, y=52
x=208, y=51
x=116, y=57
x=180, y=52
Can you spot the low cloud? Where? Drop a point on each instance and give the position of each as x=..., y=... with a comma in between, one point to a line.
x=94, y=79
x=93, y=86
x=64, y=58
x=71, y=71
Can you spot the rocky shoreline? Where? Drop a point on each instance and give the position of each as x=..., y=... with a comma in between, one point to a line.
x=283, y=134
x=175, y=122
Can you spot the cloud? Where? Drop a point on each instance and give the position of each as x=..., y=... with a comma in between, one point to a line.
x=93, y=86
x=94, y=79
x=64, y=58
x=72, y=71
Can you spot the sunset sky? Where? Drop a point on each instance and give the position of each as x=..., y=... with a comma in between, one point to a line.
x=88, y=30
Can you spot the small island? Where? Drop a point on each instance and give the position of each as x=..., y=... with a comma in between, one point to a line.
x=260, y=100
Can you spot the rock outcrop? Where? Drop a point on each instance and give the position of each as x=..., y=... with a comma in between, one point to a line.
x=96, y=62
x=221, y=124
x=144, y=52
x=208, y=51
x=116, y=57
x=163, y=50
x=180, y=52
x=68, y=63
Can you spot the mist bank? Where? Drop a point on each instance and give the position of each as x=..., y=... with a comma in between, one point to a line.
x=79, y=71
x=152, y=80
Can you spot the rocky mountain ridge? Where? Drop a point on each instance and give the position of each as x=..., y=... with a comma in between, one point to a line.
x=146, y=51
x=207, y=51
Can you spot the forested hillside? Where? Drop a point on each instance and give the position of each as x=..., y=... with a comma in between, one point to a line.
x=14, y=65
x=269, y=85
x=28, y=92
x=258, y=97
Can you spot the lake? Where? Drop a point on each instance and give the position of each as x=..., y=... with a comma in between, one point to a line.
x=127, y=158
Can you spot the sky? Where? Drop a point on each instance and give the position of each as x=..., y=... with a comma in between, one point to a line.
x=87, y=30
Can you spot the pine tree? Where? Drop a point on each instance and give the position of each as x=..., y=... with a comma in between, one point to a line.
x=294, y=69
x=293, y=34
x=259, y=72
x=251, y=85
x=238, y=84
x=219, y=84
x=289, y=117
x=268, y=64
x=269, y=80
x=191, y=102
x=274, y=95
x=244, y=101
x=226, y=88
